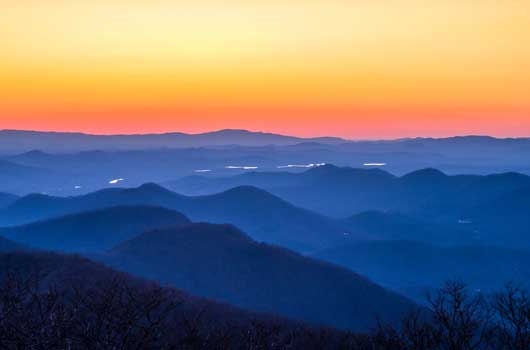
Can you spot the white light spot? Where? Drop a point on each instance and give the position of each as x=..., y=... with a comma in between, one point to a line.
x=115, y=181
x=202, y=170
x=311, y=165
x=241, y=167
x=78, y=187
x=374, y=164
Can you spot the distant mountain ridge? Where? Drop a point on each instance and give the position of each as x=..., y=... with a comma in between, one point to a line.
x=461, y=208
x=17, y=178
x=81, y=163
x=343, y=191
x=323, y=175
x=18, y=141
x=453, y=204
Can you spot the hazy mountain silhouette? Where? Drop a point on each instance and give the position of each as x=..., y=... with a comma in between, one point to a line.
x=16, y=178
x=428, y=184
x=93, y=231
x=6, y=199
x=11, y=170
x=327, y=175
x=428, y=194
x=84, y=167
x=504, y=219
x=32, y=156
x=457, y=208
x=378, y=225
x=488, y=187
x=264, y=216
x=414, y=267
x=220, y=262
x=332, y=190
x=445, y=205
x=17, y=141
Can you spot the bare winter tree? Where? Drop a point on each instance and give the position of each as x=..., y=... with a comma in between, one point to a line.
x=512, y=308
x=119, y=314
x=30, y=318
x=453, y=320
x=461, y=321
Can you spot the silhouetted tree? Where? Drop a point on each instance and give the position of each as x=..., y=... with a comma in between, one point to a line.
x=121, y=313
x=512, y=307
x=461, y=321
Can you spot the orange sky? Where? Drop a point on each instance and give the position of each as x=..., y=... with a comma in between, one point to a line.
x=352, y=68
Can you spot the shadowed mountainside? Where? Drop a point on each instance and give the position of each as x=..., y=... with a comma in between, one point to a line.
x=412, y=268
x=98, y=307
x=7, y=245
x=220, y=262
x=93, y=231
x=264, y=216
x=395, y=226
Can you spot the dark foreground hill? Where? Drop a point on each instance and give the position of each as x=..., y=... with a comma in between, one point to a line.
x=59, y=302
x=264, y=216
x=93, y=231
x=52, y=301
x=220, y=262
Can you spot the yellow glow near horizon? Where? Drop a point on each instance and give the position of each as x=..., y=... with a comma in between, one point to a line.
x=72, y=64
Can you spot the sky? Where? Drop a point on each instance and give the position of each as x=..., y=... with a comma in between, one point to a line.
x=351, y=68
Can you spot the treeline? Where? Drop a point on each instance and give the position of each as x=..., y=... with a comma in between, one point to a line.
x=122, y=315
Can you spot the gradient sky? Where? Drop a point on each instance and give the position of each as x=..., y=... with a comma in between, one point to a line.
x=352, y=68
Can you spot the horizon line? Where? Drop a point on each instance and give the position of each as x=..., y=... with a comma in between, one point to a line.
x=73, y=132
